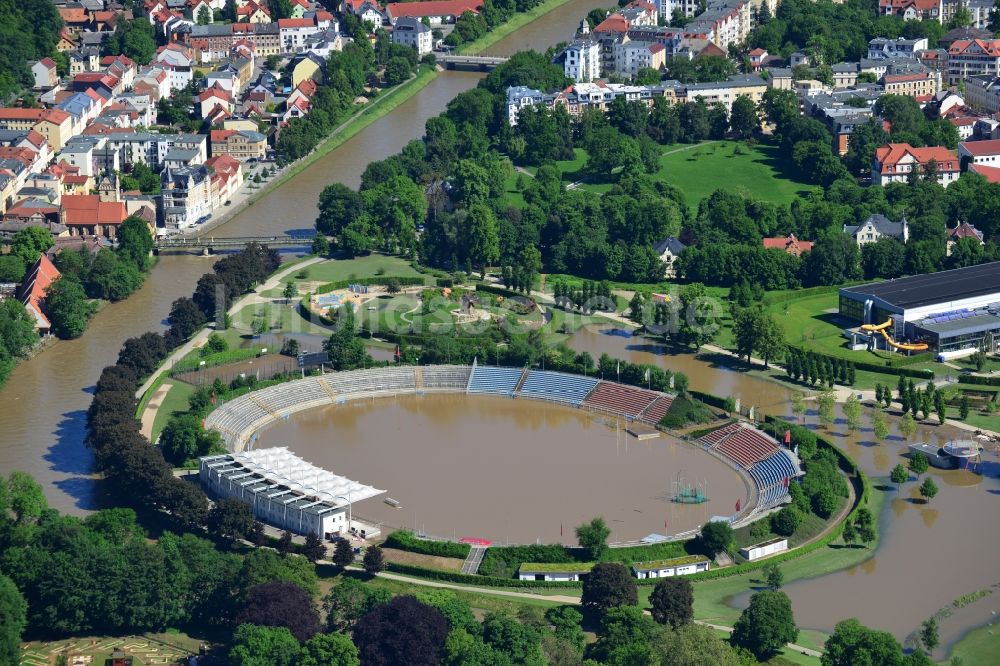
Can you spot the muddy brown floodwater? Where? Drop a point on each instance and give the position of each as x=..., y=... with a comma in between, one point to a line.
x=508, y=470
x=929, y=554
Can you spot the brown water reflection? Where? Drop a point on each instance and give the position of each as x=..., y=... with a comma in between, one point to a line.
x=507, y=470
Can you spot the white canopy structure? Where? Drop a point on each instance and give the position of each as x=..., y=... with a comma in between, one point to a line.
x=280, y=465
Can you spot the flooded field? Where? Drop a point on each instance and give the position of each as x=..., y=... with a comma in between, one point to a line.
x=508, y=470
x=929, y=555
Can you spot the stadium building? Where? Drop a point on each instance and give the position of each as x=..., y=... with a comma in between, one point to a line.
x=954, y=312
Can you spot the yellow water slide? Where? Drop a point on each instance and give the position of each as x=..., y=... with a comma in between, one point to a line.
x=880, y=328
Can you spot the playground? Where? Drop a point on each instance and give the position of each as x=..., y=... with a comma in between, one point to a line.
x=149, y=650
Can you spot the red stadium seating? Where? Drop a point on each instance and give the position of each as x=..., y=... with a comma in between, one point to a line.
x=745, y=445
x=656, y=411
x=620, y=398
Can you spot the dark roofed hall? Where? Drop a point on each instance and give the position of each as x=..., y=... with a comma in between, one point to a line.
x=918, y=290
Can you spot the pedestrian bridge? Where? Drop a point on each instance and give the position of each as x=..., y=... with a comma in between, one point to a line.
x=471, y=62
x=209, y=245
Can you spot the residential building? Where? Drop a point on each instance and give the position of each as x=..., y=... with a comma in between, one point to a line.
x=582, y=60
x=240, y=144
x=979, y=152
x=410, y=31
x=438, y=12
x=251, y=12
x=55, y=125
x=883, y=47
x=982, y=93
x=912, y=10
x=367, y=10
x=226, y=178
x=963, y=230
x=44, y=74
x=918, y=84
x=976, y=57
x=294, y=32
x=630, y=57
x=210, y=99
x=33, y=290
x=641, y=13
x=895, y=162
x=308, y=67
x=878, y=226
x=178, y=61
x=668, y=250
x=187, y=196
x=757, y=57
x=979, y=11
x=789, y=244
x=726, y=92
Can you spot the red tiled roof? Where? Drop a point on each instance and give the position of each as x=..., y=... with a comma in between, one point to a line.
x=88, y=209
x=295, y=23
x=48, y=62
x=892, y=153
x=756, y=53
x=25, y=156
x=307, y=87
x=614, y=23
x=215, y=136
x=903, y=78
x=324, y=16
x=980, y=148
x=35, y=139
x=922, y=5
x=965, y=230
x=992, y=174
x=791, y=244
x=356, y=5
x=40, y=278
x=990, y=47
x=433, y=8
x=226, y=165
x=214, y=91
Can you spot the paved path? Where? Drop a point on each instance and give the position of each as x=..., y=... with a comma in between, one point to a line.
x=149, y=413
x=199, y=338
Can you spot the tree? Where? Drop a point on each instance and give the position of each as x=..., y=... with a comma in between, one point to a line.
x=907, y=426
x=329, y=650
x=68, y=308
x=754, y=328
x=374, y=560
x=285, y=544
x=29, y=243
x=185, y=318
x=263, y=646
x=12, y=268
x=281, y=604
x=852, y=411
x=879, y=426
x=928, y=489
x=403, y=631
x=827, y=403
x=135, y=242
x=624, y=637
x=694, y=645
x=343, y=554
x=963, y=409
x=929, y=634
x=290, y=291
x=230, y=519
x=608, y=585
x=774, y=577
x=184, y=438
x=593, y=537
x=899, y=475
x=766, y=625
x=786, y=521
x=744, y=119
x=919, y=464
x=314, y=548
x=13, y=619
x=320, y=245
x=345, y=350
x=672, y=601
x=853, y=644
x=939, y=407
x=716, y=537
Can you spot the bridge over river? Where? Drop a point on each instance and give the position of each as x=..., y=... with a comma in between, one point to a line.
x=476, y=63
x=207, y=245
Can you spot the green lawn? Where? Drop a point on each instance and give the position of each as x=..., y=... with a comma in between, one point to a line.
x=979, y=646
x=760, y=171
x=334, y=270
x=176, y=400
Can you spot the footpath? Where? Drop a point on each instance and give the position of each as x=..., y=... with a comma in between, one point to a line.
x=199, y=338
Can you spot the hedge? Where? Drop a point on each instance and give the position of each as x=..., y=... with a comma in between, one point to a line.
x=444, y=282
x=212, y=360
x=406, y=540
x=510, y=558
x=874, y=367
x=709, y=399
x=377, y=280
x=979, y=380
x=502, y=291
x=472, y=579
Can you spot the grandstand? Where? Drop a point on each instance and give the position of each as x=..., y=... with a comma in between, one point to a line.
x=772, y=475
x=490, y=379
x=620, y=399
x=445, y=377
x=656, y=411
x=557, y=386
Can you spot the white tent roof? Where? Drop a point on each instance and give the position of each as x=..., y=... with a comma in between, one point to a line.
x=280, y=465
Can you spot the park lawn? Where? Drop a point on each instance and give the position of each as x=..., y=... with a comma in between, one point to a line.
x=175, y=401
x=979, y=646
x=373, y=265
x=563, y=324
x=761, y=171
x=388, y=315
x=711, y=596
x=979, y=419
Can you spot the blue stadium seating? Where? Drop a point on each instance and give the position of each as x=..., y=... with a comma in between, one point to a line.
x=773, y=469
x=772, y=496
x=557, y=386
x=487, y=379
